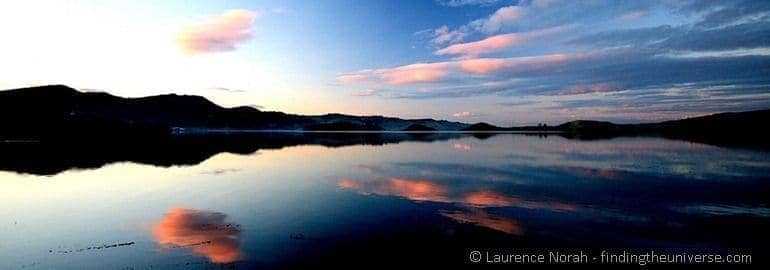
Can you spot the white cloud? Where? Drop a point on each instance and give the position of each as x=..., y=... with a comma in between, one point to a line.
x=501, y=18
x=444, y=35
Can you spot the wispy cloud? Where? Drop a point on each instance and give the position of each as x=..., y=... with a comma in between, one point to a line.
x=597, y=59
x=591, y=88
x=350, y=78
x=226, y=89
x=496, y=43
x=491, y=65
x=218, y=33
x=221, y=171
x=431, y=72
x=484, y=46
x=633, y=15
x=364, y=93
x=414, y=73
x=458, y=3
x=444, y=35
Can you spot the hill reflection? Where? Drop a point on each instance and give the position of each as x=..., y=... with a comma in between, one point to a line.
x=53, y=157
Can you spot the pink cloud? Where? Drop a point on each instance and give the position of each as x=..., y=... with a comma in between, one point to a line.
x=430, y=72
x=484, y=46
x=491, y=65
x=482, y=66
x=461, y=114
x=495, y=43
x=351, y=78
x=414, y=73
x=218, y=33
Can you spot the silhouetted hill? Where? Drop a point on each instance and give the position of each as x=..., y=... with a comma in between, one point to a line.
x=37, y=112
x=58, y=110
x=738, y=129
x=418, y=127
x=742, y=129
x=342, y=126
x=52, y=157
x=483, y=127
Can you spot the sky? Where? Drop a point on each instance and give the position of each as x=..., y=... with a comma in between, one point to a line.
x=497, y=61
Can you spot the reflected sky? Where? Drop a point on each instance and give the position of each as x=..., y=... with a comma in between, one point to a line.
x=266, y=209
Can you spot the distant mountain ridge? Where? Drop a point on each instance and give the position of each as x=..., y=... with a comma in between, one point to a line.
x=52, y=109
x=58, y=111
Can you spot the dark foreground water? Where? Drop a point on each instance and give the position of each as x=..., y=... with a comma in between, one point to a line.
x=418, y=201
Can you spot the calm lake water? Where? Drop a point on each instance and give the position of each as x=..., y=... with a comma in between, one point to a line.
x=404, y=201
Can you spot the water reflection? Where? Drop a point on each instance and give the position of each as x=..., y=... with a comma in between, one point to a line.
x=205, y=233
x=585, y=193
x=52, y=157
x=483, y=219
x=476, y=194
x=462, y=146
x=428, y=198
x=413, y=189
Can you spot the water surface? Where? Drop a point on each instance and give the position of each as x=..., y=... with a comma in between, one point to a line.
x=401, y=201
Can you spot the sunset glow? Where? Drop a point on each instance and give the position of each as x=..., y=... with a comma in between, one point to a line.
x=506, y=62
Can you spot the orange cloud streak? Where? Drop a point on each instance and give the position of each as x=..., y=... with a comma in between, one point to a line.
x=417, y=190
x=487, y=198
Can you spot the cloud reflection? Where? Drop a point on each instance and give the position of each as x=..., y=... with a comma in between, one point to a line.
x=412, y=189
x=425, y=190
x=206, y=233
x=483, y=219
x=471, y=192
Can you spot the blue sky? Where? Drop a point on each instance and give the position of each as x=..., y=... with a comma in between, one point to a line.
x=505, y=62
